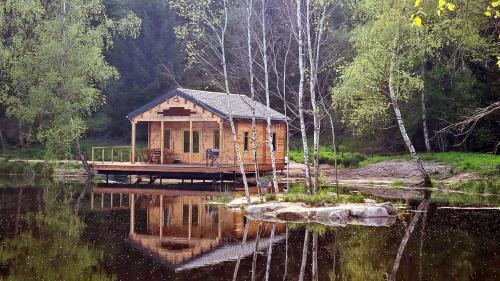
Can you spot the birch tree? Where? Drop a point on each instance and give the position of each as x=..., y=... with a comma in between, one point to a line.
x=305, y=146
x=380, y=76
x=268, y=95
x=205, y=32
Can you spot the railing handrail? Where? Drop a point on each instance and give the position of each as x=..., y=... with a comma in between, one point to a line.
x=118, y=147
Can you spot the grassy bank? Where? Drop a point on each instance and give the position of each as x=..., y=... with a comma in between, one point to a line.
x=482, y=163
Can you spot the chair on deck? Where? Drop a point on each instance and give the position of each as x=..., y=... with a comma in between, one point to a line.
x=152, y=155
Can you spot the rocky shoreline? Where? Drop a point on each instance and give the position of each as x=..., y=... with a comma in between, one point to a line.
x=370, y=214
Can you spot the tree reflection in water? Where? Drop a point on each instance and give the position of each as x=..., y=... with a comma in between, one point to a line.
x=423, y=207
x=50, y=248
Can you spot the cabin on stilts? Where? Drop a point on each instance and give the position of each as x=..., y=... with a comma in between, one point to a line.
x=189, y=136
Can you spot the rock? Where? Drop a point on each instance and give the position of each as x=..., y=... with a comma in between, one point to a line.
x=369, y=201
x=271, y=207
x=242, y=201
x=296, y=213
x=362, y=214
x=369, y=212
x=391, y=210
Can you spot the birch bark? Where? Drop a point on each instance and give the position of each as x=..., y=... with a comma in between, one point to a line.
x=303, y=132
x=268, y=100
x=231, y=120
x=397, y=111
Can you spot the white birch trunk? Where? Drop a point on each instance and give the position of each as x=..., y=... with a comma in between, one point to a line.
x=270, y=252
x=397, y=112
x=231, y=121
x=424, y=117
x=252, y=93
x=304, y=255
x=312, y=91
x=268, y=102
x=301, y=98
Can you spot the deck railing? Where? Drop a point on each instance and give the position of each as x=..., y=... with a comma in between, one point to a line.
x=113, y=153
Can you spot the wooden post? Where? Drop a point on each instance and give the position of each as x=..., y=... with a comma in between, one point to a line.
x=92, y=155
x=111, y=203
x=162, y=141
x=132, y=150
x=190, y=218
x=221, y=141
x=190, y=141
x=102, y=200
x=102, y=154
x=132, y=214
x=161, y=216
x=121, y=196
x=112, y=153
x=92, y=201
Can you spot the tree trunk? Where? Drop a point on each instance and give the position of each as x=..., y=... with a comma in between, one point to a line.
x=2, y=141
x=286, y=252
x=301, y=99
x=245, y=233
x=397, y=112
x=231, y=121
x=424, y=124
x=252, y=93
x=270, y=252
x=312, y=91
x=315, y=257
x=268, y=101
x=88, y=170
x=304, y=255
x=422, y=208
x=254, y=260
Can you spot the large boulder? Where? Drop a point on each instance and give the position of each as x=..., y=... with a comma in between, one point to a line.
x=369, y=212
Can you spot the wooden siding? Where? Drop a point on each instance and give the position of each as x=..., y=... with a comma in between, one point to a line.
x=206, y=123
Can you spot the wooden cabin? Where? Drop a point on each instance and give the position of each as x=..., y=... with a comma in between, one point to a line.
x=180, y=228
x=183, y=124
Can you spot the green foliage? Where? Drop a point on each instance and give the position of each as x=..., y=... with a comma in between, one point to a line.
x=51, y=248
x=325, y=196
x=446, y=58
x=54, y=67
x=42, y=169
x=482, y=163
x=344, y=158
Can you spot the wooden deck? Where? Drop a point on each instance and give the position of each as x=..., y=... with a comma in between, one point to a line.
x=180, y=169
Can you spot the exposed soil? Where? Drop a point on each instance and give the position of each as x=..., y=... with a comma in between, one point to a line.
x=383, y=173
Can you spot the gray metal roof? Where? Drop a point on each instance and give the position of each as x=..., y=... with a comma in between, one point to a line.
x=222, y=104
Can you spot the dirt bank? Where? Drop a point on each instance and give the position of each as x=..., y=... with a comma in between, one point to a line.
x=383, y=173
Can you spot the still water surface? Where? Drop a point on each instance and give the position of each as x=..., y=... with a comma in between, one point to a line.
x=51, y=231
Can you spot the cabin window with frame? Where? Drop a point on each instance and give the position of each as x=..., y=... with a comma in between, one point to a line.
x=196, y=141
x=274, y=142
x=166, y=138
x=187, y=145
x=216, y=139
x=245, y=141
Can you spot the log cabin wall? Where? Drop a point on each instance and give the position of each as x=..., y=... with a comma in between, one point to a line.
x=205, y=123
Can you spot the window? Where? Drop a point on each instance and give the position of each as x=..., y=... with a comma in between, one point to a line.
x=274, y=142
x=187, y=145
x=216, y=139
x=196, y=141
x=185, y=214
x=194, y=215
x=166, y=139
x=245, y=141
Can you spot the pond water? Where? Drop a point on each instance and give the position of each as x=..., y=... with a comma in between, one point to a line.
x=53, y=231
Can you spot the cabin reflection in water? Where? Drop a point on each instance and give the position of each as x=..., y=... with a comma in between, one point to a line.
x=182, y=230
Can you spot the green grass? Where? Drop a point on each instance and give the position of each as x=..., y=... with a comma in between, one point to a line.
x=481, y=163
x=39, y=152
x=322, y=198
x=344, y=158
